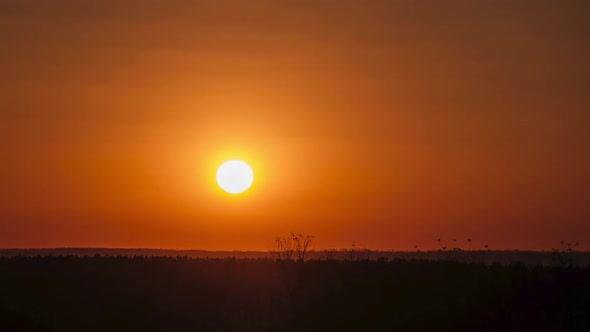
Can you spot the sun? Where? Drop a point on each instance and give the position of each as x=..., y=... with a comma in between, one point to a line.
x=235, y=176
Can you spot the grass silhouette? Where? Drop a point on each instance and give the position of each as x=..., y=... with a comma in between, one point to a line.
x=141, y=293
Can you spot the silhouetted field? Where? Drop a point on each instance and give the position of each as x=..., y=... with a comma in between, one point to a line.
x=530, y=258
x=120, y=293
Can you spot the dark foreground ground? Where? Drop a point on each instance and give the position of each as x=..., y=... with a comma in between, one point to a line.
x=108, y=293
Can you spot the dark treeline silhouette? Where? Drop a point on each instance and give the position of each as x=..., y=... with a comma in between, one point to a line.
x=531, y=258
x=121, y=293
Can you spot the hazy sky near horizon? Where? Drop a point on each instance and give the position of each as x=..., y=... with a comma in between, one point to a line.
x=388, y=123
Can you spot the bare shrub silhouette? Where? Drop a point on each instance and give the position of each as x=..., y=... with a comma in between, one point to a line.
x=564, y=255
x=356, y=253
x=284, y=249
x=457, y=252
x=301, y=244
x=287, y=246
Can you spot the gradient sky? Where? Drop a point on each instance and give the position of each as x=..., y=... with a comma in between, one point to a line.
x=388, y=123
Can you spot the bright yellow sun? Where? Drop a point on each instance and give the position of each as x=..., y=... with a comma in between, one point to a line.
x=235, y=176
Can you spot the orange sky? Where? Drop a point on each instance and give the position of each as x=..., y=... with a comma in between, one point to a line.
x=387, y=123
